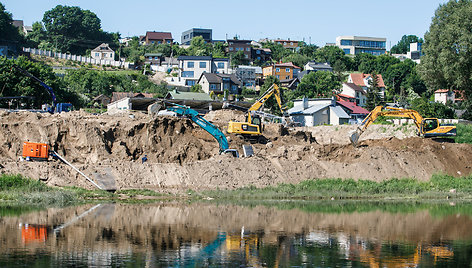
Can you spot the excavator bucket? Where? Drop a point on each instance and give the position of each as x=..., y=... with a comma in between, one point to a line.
x=354, y=138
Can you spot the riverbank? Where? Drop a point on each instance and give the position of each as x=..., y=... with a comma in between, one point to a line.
x=16, y=189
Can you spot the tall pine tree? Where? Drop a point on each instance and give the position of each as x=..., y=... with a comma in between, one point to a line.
x=374, y=96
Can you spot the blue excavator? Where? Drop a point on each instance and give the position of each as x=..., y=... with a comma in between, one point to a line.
x=56, y=107
x=207, y=126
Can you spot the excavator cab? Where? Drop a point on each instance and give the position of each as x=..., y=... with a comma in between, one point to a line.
x=430, y=124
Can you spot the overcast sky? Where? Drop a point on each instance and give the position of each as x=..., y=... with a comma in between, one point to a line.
x=318, y=21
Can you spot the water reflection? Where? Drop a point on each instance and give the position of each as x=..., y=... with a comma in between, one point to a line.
x=264, y=235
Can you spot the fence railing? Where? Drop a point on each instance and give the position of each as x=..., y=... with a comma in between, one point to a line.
x=82, y=59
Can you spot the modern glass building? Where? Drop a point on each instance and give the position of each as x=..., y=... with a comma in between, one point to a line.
x=353, y=45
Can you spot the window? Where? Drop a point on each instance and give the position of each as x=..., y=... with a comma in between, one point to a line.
x=346, y=42
x=213, y=86
x=97, y=54
x=159, y=42
x=221, y=65
x=248, y=49
x=168, y=41
x=150, y=58
x=152, y=42
x=190, y=64
x=230, y=49
x=347, y=51
x=258, y=52
x=187, y=74
x=156, y=58
x=278, y=76
x=287, y=77
x=190, y=82
x=287, y=70
x=203, y=64
x=277, y=69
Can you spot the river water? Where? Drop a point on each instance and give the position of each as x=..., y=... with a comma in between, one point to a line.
x=265, y=234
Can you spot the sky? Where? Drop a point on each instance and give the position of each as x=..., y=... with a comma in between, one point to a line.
x=313, y=21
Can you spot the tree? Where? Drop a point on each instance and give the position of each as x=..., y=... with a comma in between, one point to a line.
x=447, y=56
x=334, y=56
x=317, y=85
x=374, y=98
x=74, y=30
x=271, y=103
x=198, y=47
x=403, y=45
x=307, y=50
x=238, y=58
x=432, y=109
x=278, y=50
x=297, y=59
x=7, y=30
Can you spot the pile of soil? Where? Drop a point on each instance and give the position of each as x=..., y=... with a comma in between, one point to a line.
x=183, y=156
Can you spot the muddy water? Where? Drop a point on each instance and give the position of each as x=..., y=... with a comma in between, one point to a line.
x=272, y=234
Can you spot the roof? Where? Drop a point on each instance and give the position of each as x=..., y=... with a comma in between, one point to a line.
x=158, y=35
x=178, y=95
x=354, y=87
x=286, y=64
x=194, y=58
x=442, y=91
x=310, y=110
x=353, y=107
x=121, y=95
x=358, y=79
x=345, y=96
x=218, y=78
x=339, y=112
x=319, y=65
x=101, y=97
x=153, y=54
x=103, y=48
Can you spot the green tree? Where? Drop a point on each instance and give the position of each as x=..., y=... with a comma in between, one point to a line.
x=403, y=46
x=7, y=30
x=363, y=58
x=447, y=56
x=307, y=50
x=335, y=57
x=297, y=59
x=278, y=50
x=238, y=58
x=317, y=85
x=374, y=98
x=74, y=30
x=271, y=103
x=432, y=109
x=198, y=47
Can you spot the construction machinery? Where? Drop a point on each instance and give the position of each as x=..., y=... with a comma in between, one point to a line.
x=207, y=126
x=252, y=128
x=56, y=107
x=427, y=127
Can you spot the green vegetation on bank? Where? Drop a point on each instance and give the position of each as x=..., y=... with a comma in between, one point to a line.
x=16, y=189
x=464, y=133
x=437, y=188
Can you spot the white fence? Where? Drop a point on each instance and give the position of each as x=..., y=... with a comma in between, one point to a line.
x=65, y=56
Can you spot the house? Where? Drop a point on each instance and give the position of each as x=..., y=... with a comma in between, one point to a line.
x=353, y=45
x=102, y=100
x=158, y=38
x=313, y=112
x=153, y=59
x=235, y=45
x=192, y=67
x=364, y=80
x=248, y=75
x=318, y=66
x=356, y=113
x=116, y=96
x=261, y=54
x=182, y=95
x=218, y=83
x=290, y=44
x=291, y=84
x=281, y=70
x=103, y=52
x=188, y=35
x=444, y=95
x=354, y=92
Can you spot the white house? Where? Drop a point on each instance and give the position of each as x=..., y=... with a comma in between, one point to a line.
x=192, y=67
x=313, y=112
x=353, y=91
x=444, y=95
x=364, y=80
x=103, y=52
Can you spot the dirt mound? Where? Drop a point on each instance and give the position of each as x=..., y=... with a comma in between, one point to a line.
x=183, y=156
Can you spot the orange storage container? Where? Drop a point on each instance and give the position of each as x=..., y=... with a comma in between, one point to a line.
x=35, y=150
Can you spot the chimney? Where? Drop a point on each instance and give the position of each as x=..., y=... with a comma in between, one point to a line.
x=305, y=103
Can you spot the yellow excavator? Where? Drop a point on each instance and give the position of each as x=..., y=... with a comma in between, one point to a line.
x=427, y=127
x=252, y=128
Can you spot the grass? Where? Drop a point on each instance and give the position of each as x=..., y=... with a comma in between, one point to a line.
x=437, y=188
x=16, y=189
x=464, y=133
